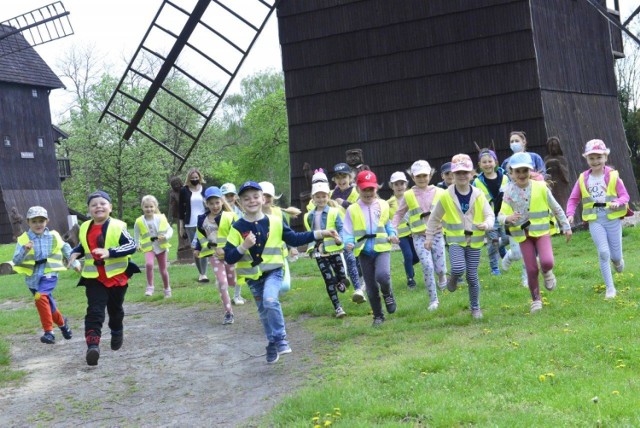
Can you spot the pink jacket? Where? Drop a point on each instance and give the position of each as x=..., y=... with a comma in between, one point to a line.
x=576, y=196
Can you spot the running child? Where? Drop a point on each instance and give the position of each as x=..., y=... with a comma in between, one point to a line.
x=231, y=197
x=447, y=176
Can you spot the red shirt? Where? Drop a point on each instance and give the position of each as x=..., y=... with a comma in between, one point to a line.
x=95, y=231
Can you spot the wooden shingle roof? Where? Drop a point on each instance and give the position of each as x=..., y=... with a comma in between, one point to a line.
x=24, y=67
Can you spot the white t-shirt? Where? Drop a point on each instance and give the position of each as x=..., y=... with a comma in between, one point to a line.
x=197, y=208
x=597, y=188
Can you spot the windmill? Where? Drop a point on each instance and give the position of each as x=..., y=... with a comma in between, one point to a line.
x=218, y=35
x=31, y=174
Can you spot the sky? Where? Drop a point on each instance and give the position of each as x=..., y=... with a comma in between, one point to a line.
x=115, y=28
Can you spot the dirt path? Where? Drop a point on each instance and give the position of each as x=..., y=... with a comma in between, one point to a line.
x=177, y=367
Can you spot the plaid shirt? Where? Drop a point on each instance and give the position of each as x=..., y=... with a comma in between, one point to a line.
x=42, y=247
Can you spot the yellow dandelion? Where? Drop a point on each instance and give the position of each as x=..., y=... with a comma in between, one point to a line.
x=317, y=426
x=423, y=373
x=615, y=392
x=315, y=419
x=542, y=378
x=327, y=423
x=551, y=375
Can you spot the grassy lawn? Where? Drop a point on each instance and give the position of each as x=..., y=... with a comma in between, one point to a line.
x=437, y=368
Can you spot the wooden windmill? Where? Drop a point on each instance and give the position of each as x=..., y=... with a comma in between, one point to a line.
x=30, y=174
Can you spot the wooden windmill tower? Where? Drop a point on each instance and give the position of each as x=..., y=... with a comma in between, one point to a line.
x=30, y=174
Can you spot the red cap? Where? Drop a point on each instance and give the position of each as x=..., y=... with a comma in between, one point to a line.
x=366, y=179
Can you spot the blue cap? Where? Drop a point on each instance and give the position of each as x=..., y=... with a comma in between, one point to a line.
x=249, y=185
x=521, y=160
x=98, y=194
x=446, y=167
x=212, y=192
x=342, y=168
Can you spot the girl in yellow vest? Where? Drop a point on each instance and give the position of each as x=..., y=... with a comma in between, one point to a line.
x=398, y=183
x=604, y=203
x=419, y=202
x=152, y=232
x=528, y=211
x=368, y=232
x=38, y=256
x=324, y=214
x=211, y=236
x=464, y=215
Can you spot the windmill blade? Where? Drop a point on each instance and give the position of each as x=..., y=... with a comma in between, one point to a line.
x=37, y=27
x=208, y=47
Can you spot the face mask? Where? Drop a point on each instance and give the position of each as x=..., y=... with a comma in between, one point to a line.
x=516, y=147
x=195, y=182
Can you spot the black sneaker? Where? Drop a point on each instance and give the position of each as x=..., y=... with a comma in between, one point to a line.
x=377, y=322
x=93, y=354
x=411, y=283
x=117, y=337
x=390, y=303
x=48, y=338
x=452, y=284
x=66, y=330
x=228, y=318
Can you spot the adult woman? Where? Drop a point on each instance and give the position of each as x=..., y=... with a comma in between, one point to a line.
x=190, y=206
x=518, y=144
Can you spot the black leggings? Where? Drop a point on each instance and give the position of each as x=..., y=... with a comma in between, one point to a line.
x=333, y=272
x=100, y=297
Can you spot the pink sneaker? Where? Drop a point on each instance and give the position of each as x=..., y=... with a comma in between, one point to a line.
x=167, y=293
x=149, y=291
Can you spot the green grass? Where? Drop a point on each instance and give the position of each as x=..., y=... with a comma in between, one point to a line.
x=441, y=368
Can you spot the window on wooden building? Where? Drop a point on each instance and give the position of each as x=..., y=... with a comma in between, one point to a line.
x=34, y=93
x=7, y=141
x=40, y=142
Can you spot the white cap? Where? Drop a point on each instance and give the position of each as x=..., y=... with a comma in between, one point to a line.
x=420, y=167
x=268, y=189
x=228, y=188
x=398, y=176
x=319, y=176
x=37, y=211
x=320, y=187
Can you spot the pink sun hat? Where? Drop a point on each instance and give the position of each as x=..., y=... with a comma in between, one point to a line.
x=461, y=162
x=595, y=147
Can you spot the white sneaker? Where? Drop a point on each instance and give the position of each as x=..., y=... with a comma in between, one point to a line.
x=340, y=313
x=610, y=294
x=149, y=290
x=619, y=267
x=433, y=306
x=167, y=293
x=536, y=306
x=238, y=301
x=549, y=280
x=442, y=282
x=506, y=262
x=358, y=296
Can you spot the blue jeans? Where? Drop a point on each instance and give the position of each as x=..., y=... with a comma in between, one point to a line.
x=408, y=255
x=265, y=292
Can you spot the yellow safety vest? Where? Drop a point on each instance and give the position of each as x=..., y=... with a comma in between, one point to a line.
x=588, y=208
x=381, y=243
x=416, y=222
x=112, y=265
x=145, y=237
x=540, y=219
x=272, y=257
x=226, y=220
x=352, y=198
x=329, y=243
x=452, y=224
x=482, y=186
x=403, y=227
x=53, y=262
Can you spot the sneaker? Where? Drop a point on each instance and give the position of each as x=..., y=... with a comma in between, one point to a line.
x=347, y=283
x=411, y=283
x=619, y=267
x=340, y=313
x=452, y=284
x=442, y=282
x=536, y=306
x=476, y=314
x=93, y=354
x=238, y=301
x=495, y=272
x=506, y=262
x=358, y=296
x=549, y=280
x=341, y=287
x=48, y=338
x=272, y=353
x=167, y=293
x=283, y=348
x=433, y=306
x=390, y=303
x=203, y=278
x=228, y=318
x=117, y=337
x=377, y=321
x=66, y=330
x=610, y=294
x=149, y=290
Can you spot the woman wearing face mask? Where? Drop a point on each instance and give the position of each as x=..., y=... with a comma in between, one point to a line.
x=518, y=144
x=190, y=206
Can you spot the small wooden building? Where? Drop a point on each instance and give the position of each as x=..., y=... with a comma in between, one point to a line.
x=414, y=79
x=29, y=171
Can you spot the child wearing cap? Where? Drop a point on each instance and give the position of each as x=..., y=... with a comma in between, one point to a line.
x=398, y=183
x=345, y=194
x=231, y=197
x=418, y=203
x=447, y=176
x=465, y=216
x=211, y=237
x=525, y=212
x=368, y=232
x=106, y=247
x=324, y=214
x=152, y=232
x=604, y=203
x=38, y=256
x=255, y=244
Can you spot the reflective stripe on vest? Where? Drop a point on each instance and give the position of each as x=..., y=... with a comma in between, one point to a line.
x=539, y=218
x=53, y=263
x=589, y=211
x=146, y=244
x=381, y=242
x=112, y=265
x=329, y=243
x=403, y=226
x=453, y=226
x=416, y=217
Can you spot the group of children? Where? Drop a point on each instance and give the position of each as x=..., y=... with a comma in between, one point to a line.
x=351, y=229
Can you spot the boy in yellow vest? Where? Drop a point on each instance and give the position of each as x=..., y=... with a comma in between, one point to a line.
x=38, y=256
x=106, y=247
x=255, y=245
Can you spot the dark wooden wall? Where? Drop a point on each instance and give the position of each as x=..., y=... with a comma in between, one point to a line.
x=26, y=182
x=413, y=79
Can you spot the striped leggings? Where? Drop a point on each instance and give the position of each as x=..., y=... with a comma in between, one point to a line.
x=467, y=259
x=607, y=235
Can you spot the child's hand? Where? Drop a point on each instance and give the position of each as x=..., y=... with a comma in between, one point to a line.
x=72, y=259
x=100, y=253
x=338, y=240
x=394, y=240
x=481, y=226
x=567, y=234
x=162, y=239
x=570, y=219
x=614, y=205
x=249, y=241
x=196, y=253
x=78, y=268
x=339, y=201
x=513, y=218
x=428, y=243
x=293, y=252
x=330, y=233
x=349, y=247
x=220, y=253
x=28, y=246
